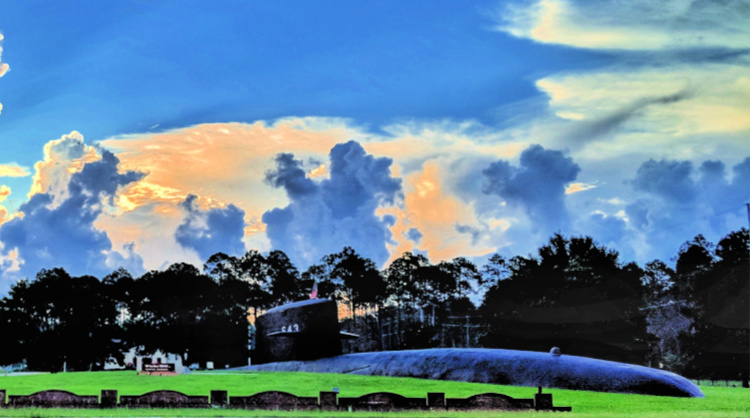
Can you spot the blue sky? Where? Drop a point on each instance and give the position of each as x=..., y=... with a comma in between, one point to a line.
x=596, y=120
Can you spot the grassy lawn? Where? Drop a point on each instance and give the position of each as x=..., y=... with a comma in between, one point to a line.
x=720, y=401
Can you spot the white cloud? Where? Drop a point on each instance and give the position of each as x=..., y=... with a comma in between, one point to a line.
x=657, y=111
x=631, y=25
x=578, y=187
x=62, y=158
x=4, y=67
x=13, y=170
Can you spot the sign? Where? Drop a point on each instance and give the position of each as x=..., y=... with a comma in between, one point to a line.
x=158, y=368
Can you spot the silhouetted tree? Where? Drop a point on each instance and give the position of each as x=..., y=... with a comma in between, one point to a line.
x=18, y=328
x=729, y=303
x=255, y=271
x=575, y=296
x=171, y=312
x=329, y=287
x=284, y=277
x=495, y=270
x=402, y=278
x=61, y=322
x=360, y=278
x=713, y=283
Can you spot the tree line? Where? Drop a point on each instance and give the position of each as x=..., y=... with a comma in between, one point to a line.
x=573, y=294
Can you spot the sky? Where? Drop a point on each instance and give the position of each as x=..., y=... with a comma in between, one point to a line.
x=138, y=134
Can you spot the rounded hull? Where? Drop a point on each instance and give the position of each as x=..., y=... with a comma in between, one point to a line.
x=506, y=367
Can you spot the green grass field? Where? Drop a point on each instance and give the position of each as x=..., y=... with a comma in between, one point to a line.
x=720, y=401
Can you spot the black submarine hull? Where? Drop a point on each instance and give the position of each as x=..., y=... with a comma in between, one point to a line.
x=498, y=366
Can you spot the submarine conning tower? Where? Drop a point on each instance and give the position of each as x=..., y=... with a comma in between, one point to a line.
x=306, y=330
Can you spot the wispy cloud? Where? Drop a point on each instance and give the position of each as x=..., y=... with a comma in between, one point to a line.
x=630, y=25
x=650, y=109
x=4, y=67
x=578, y=187
x=13, y=170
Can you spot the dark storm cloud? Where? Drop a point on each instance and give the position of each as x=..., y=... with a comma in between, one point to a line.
x=323, y=217
x=670, y=180
x=537, y=185
x=211, y=231
x=289, y=175
x=65, y=236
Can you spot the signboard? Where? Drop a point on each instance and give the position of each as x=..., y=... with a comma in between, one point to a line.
x=159, y=368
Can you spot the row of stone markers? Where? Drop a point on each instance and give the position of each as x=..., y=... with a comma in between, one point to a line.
x=275, y=400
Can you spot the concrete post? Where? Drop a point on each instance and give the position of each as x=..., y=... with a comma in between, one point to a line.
x=219, y=398
x=328, y=401
x=436, y=400
x=109, y=399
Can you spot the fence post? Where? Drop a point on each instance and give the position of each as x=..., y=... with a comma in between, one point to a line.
x=436, y=400
x=542, y=401
x=328, y=400
x=109, y=399
x=219, y=398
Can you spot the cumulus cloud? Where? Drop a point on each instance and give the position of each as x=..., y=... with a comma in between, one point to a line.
x=631, y=25
x=538, y=185
x=220, y=163
x=227, y=162
x=323, y=217
x=668, y=179
x=63, y=157
x=211, y=231
x=446, y=210
x=51, y=234
x=675, y=201
x=433, y=208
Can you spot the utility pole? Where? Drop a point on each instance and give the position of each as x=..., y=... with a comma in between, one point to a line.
x=746, y=373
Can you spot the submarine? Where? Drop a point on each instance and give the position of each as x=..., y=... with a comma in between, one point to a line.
x=305, y=337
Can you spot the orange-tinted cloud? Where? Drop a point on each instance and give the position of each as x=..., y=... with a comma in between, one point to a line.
x=578, y=187
x=224, y=162
x=434, y=213
x=221, y=163
x=13, y=170
x=4, y=217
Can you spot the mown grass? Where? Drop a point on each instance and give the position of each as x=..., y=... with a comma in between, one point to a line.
x=719, y=401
